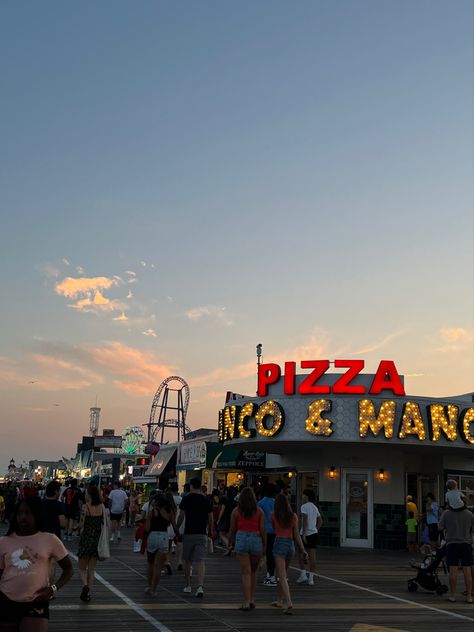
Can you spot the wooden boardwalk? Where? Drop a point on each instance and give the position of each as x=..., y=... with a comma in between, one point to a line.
x=356, y=592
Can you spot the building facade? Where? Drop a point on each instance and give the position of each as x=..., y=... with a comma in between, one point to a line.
x=362, y=452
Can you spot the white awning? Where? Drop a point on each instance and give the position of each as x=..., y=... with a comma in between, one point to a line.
x=162, y=459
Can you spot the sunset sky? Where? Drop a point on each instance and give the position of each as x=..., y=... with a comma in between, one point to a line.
x=183, y=180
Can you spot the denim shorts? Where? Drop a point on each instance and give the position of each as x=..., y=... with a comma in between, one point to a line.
x=284, y=547
x=248, y=542
x=157, y=542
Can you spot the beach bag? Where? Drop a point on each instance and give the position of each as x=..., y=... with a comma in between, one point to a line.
x=103, y=547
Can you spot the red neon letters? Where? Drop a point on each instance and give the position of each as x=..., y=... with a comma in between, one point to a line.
x=385, y=379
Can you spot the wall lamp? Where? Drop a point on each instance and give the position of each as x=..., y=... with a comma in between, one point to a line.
x=291, y=474
x=381, y=475
x=332, y=472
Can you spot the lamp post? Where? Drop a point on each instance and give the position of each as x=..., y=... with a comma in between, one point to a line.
x=259, y=359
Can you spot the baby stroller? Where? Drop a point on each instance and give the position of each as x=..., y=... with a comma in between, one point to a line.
x=427, y=576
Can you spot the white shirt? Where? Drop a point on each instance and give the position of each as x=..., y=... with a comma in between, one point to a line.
x=312, y=514
x=455, y=498
x=117, y=499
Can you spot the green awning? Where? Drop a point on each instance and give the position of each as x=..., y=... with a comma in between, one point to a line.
x=236, y=459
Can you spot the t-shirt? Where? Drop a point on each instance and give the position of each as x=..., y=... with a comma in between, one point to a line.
x=266, y=505
x=411, y=525
x=455, y=498
x=284, y=532
x=52, y=509
x=25, y=562
x=458, y=524
x=72, y=496
x=312, y=512
x=432, y=514
x=411, y=507
x=117, y=500
x=197, y=509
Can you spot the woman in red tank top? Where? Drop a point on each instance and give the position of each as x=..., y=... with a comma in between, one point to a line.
x=248, y=536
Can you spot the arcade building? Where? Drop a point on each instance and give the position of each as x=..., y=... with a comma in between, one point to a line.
x=358, y=440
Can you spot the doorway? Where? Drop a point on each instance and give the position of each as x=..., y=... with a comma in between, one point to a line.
x=357, y=527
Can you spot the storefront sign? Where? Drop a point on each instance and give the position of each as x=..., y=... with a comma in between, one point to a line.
x=190, y=453
x=386, y=419
x=385, y=379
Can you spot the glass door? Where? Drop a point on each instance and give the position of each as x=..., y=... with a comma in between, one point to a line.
x=357, y=509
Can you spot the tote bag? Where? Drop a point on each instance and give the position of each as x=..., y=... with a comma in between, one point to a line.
x=103, y=547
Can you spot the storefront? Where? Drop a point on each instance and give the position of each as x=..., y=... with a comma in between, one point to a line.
x=195, y=458
x=359, y=441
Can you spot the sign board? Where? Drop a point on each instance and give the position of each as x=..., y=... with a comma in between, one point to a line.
x=191, y=453
x=108, y=442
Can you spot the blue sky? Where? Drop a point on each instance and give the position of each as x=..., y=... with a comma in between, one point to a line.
x=296, y=174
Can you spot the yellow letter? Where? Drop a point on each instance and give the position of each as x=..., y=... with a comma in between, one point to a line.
x=369, y=421
x=412, y=422
x=443, y=419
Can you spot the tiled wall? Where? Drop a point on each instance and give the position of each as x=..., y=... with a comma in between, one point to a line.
x=330, y=531
x=389, y=526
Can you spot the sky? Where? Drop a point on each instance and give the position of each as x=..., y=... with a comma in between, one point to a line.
x=180, y=181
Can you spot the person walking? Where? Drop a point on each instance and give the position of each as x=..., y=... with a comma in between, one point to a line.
x=285, y=523
x=134, y=500
x=228, y=504
x=159, y=517
x=25, y=558
x=196, y=511
x=54, y=516
x=117, y=500
x=267, y=504
x=93, y=516
x=247, y=535
x=458, y=527
x=73, y=503
x=432, y=519
x=311, y=523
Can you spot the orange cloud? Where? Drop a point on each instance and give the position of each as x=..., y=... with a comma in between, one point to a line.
x=132, y=370
x=74, y=287
x=457, y=334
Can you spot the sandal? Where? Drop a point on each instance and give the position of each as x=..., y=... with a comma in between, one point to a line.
x=277, y=604
x=288, y=610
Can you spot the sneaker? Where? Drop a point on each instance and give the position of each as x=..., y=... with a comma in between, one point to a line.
x=112, y=539
x=200, y=592
x=180, y=567
x=311, y=580
x=302, y=579
x=273, y=581
x=187, y=589
x=270, y=581
x=168, y=569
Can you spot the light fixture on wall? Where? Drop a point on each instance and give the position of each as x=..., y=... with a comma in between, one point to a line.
x=291, y=474
x=381, y=474
x=332, y=472
x=240, y=476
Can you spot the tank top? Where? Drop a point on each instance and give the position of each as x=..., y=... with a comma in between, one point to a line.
x=248, y=524
x=159, y=523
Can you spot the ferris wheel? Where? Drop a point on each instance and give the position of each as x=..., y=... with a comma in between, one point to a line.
x=133, y=440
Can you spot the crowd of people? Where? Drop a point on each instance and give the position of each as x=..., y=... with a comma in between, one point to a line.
x=258, y=526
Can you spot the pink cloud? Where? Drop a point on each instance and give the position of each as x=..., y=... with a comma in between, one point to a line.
x=74, y=287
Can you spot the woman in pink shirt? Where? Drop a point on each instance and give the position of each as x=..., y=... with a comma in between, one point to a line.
x=285, y=523
x=25, y=560
x=247, y=535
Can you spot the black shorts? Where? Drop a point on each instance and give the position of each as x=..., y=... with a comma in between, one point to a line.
x=459, y=553
x=15, y=611
x=117, y=517
x=311, y=541
x=72, y=513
